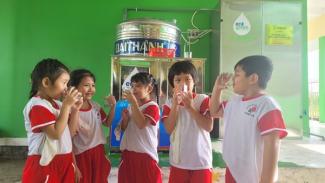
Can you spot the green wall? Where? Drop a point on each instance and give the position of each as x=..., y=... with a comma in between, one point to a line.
x=7, y=34
x=305, y=94
x=321, y=79
x=78, y=33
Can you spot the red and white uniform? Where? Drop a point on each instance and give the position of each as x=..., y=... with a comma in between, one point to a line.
x=139, y=148
x=90, y=133
x=194, y=144
x=246, y=121
x=88, y=145
x=37, y=114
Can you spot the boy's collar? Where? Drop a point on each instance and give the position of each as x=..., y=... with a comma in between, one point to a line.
x=252, y=97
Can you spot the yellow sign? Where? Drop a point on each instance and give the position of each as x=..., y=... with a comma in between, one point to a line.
x=279, y=35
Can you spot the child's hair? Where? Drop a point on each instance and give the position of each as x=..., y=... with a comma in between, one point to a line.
x=146, y=79
x=258, y=64
x=77, y=75
x=49, y=67
x=185, y=67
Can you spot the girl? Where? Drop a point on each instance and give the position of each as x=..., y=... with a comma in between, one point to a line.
x=186, y=117
x=49, y=141
x=139, y=162
x=88, y=137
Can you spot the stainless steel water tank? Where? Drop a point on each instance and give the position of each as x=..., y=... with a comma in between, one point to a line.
x=136, y=37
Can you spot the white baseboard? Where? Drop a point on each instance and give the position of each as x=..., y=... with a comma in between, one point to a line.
x=13, y=141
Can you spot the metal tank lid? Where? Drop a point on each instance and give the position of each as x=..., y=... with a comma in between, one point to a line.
x=148, y=28
x=150, y=21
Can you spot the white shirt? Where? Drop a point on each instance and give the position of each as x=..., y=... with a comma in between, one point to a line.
x=90, y=132
x=37, y=114
x=143, y=140
x=195, y=149
x=246, y=121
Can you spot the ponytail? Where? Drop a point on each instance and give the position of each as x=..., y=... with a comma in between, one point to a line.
x=147, y=79
x=154, y=84
x=33, y=90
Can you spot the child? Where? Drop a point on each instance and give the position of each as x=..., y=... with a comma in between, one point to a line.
x=253, y=122
x=139, y=163
x=186, y=117
x=49, y=142
x=88, y=137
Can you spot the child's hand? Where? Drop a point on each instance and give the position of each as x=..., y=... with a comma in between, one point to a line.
x=110, y=100
x=78, y=104
x=78, y=174
x=125, y=119
x=72, y=96
x=222, y=81
x=188, y=100
x=177, y=96
x=125, y=114
x=128, y=95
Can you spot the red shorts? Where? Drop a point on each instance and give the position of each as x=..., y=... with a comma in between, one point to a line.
x=228, y=177
x=94, y=165
x=138, y=168
x=59, y=170
x=178, y=175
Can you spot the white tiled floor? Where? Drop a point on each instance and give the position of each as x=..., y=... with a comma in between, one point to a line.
x=305, y=152
x=303, y=161
x=317, y=129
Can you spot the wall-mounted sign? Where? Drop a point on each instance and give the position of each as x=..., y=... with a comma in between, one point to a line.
x=279, y=34
x=241, y=25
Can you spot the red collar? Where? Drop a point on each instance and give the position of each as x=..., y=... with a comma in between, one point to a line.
x=52, y=102
x=88, y=109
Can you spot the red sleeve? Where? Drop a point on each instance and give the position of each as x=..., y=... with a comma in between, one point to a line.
x=272, y=121
x=102, y=114
x=166, y=111
x=204, y=108
x=152, y=113
x=40, y=116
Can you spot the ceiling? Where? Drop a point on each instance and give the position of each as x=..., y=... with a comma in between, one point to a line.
x=316, y=8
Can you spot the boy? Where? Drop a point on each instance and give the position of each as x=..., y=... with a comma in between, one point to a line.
x=186, y=117
x=253, y=122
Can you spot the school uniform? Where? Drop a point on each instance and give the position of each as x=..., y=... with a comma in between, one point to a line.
x=139, y=163
x=246, y=122
x=190, y=153
x=88, y=145
x=39, y=113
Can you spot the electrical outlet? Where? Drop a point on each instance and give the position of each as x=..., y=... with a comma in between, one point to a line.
x=193, y=33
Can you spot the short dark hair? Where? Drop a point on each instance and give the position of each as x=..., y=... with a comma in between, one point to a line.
x=257, y=64
x=185, y=67
x=77, y=75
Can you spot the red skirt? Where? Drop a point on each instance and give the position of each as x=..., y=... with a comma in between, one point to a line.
x=94, y=165
x=59, y=170
x=138, y=168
